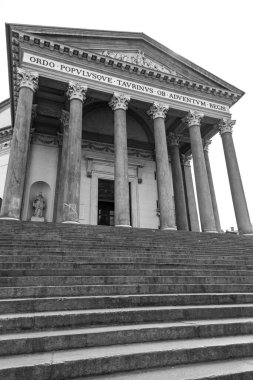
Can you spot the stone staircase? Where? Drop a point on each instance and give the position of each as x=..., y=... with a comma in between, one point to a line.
x=92, y=302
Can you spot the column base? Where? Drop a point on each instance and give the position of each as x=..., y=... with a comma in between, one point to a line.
x=8, y=218
x=169, y=228
x=70, y=222
x=122, y=225
x=211, y=231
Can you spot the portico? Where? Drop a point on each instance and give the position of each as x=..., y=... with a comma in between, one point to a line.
x=117, y=116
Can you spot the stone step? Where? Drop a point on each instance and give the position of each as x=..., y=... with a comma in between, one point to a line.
x=114, y=266
x=155, y=273
x=46, y=341
x=118, y=280
x=27, y=305
x=232, y=369
x=81, y=318
x=146, y=247
x=107, y=290
x=129, y=273
x=126, y=260
x=68, y=255
x=67, y=364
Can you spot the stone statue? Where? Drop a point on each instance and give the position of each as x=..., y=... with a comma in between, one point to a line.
x=39, y=204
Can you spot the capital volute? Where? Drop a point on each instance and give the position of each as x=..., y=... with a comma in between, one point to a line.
x=29, y=79
x=193, y=118
x=119, y=101
x=158, y=110
x=186, y=160
x=76, y=91
x=206, y=144
x=173, y=139
x=65, y=120
x=225, y=125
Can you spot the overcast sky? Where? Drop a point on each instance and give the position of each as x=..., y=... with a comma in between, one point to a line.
x=215, y=34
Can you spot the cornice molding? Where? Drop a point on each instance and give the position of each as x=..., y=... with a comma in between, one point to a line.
x=121, y=65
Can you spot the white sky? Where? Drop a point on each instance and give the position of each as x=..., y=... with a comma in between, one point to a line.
x=215, y=34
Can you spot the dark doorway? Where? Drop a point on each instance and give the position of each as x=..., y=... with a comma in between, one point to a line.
x=105, y=202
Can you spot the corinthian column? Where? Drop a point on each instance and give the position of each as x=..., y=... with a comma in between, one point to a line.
x=190, y=194
x=225, y=127
x=178, y=183
x=119, y=104
x=211, y=185
x=207, y=220
x=72, y=171
x=167, y=219
x=15, y=178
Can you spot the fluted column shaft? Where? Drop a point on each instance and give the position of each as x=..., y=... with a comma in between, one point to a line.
x=203, y=192
x=236, y=186
x=119, y=104
x=178, y=183
x=211, y=186
x=190, y=196
x=167, y=219
x=71, y=198
x=15, y=178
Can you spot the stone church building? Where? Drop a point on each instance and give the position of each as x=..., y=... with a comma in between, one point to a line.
x=106, y=126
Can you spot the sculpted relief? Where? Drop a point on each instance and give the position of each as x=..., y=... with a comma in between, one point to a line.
x=139, y=59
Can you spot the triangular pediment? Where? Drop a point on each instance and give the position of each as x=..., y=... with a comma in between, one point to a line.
x=135, y=48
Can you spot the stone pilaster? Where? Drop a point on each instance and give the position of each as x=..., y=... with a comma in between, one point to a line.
x=72, y=171
x=63, y=164
x=193, y=120
x=16, y=172
x=211, y=185
x=119, y=104
x=158, y=113
x=178, y=183
x=190, y=194
x=225, y=127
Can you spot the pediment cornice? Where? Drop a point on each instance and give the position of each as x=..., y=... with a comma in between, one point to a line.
x=159, y=72
x=131, y=62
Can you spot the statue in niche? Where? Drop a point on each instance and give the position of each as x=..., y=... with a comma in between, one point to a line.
x=39, y=205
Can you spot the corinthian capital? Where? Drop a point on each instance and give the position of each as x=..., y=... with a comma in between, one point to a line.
x=76, y=91
x=225, y=125
x=28, y=79
x=119, y=101
x=158, y=110
x=206, y=144
x=173, y=139
x=186, y=160
x=65, y=119
x=193, y=118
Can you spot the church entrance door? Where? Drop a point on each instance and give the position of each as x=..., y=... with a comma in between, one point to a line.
x=105, y=202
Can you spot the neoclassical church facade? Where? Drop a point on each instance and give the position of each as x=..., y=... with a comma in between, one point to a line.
x=106, y=124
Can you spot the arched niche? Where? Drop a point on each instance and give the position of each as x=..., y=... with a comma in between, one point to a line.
x=98, y=122
x=35, y=189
